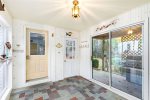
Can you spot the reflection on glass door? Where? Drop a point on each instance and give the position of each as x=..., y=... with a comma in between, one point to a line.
x=126, y=60
x=125, y=56
x=100, y=59
x=37, y=44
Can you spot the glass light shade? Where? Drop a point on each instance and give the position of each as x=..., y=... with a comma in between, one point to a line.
x=130, y=31
x=75, y=11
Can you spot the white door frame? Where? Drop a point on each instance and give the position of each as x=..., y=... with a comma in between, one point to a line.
x=70, y=60
x=148, y=67
x=43, y=80
x=44, y=56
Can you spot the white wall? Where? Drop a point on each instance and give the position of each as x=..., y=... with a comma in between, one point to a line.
x=56, y=55
x=131, y=17
x=85, y=54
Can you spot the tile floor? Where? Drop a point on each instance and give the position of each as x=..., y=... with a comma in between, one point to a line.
x=119, y=82
x=74, y=88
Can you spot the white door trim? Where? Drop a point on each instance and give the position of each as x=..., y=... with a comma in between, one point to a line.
x=71, y=61
x=39, y=81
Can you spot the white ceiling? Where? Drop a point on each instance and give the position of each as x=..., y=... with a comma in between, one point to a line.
x=58, y=12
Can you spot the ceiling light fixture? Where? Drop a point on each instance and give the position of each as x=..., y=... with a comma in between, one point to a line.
x=75, y=9
x=130, y=31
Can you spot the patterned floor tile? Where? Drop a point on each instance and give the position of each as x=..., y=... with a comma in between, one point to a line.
x=74, y=88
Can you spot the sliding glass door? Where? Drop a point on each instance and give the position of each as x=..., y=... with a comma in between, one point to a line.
x=124, y=51
x=126, y=60
x=100, y=60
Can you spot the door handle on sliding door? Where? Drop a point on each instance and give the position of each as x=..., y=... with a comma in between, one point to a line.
x=91, y=57
x=27, y=57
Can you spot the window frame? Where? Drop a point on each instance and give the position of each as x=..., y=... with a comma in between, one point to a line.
x=4, y=63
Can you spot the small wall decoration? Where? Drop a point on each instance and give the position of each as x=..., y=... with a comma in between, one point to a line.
x=59, y=45
x=107, y=25
x=6, y=51
x=69, y=33
x=84, y=44
x=52, y=34
x=18, y=45
x=8, y=45
x=18, y=51
x=1, y=6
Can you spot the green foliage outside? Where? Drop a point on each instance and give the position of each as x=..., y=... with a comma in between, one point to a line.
x=95, y=63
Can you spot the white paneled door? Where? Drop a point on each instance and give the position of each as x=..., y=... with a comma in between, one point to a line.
x=70, y=57
x=36, y=54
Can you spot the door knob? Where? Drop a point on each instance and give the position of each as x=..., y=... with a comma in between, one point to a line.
x=27, y=57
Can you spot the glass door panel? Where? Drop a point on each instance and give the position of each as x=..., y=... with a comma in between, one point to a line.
x=37, y=44
x=126, y=60
x=100, y=58
x=70, y=49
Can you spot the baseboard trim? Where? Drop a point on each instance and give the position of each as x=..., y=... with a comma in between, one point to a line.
x=6, y=95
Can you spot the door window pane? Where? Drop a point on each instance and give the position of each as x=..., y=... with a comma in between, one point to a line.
x=37, y=44
x=100, y=58
x=3, y=77
x=69, y=52
x=70, y=49
x=73, y=55
x=126, y=60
